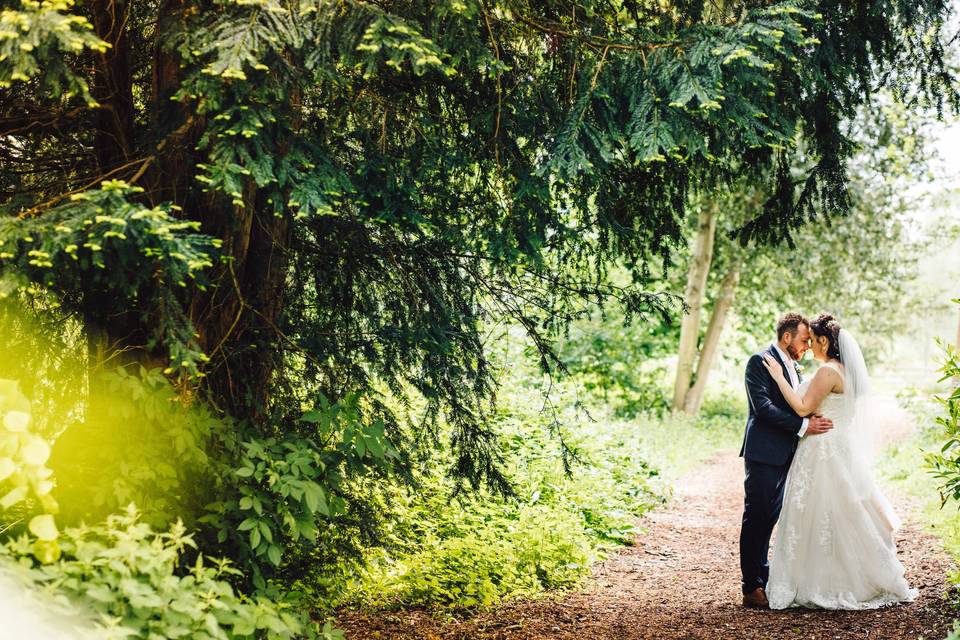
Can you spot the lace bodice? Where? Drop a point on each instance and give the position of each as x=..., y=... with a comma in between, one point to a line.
x=834, y=406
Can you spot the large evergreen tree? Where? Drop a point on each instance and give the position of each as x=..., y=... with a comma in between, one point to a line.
x=293, y=197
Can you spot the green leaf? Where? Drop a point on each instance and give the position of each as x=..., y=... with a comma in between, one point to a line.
x=273, y=553
x=315, y=498
x=265, y=531
x=44, y=527
x=375, y=447
x=313, y=416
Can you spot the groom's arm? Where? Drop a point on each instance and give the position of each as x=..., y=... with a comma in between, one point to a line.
x=759, y=388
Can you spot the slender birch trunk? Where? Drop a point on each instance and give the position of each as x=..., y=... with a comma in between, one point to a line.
x=694, y=296
x=718, y=320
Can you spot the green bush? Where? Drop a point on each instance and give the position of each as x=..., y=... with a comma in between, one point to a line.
x=130, y=576
x=946, y=464
x=264, y=498
x=280, y=496
x=544, y=548
x=479, y=549
x=126, y=579
x=137, y=442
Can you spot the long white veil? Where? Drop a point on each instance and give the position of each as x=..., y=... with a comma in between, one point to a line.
x=869, y=414
x=856, y=391
x=856, y=378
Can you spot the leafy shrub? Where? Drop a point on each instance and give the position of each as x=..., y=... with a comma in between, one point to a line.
x=476, y=553
x=23, y=470
x=127, y=574
x=280, y=493
x=137, y=442
x=946, y=464
x=260, y=499
x=542, y=549
x=131, y=578
x=479, y=550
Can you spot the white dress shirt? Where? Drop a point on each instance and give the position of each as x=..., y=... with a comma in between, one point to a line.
x=794, y=382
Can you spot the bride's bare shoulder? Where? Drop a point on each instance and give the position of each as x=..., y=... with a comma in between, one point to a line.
x=834, y=371
x=834, y=365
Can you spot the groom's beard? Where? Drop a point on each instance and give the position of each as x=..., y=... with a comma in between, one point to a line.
x=793, y=352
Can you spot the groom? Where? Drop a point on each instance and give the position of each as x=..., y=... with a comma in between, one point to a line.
x=772, y=433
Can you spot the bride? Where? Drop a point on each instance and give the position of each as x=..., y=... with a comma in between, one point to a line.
x=834, y=547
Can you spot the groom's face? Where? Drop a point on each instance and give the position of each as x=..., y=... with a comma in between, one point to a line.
x=799, y=343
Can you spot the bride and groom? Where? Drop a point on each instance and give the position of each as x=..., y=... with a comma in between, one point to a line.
x=807, y=464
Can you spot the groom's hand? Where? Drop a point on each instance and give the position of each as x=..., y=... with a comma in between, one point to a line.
x=818, y=424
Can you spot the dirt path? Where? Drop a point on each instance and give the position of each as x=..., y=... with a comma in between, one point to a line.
x=681, y=580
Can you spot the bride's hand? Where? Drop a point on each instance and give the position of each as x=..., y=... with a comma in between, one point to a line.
x=776, y=371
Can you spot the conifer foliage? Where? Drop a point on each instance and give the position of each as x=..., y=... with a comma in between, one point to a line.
x=283, y=198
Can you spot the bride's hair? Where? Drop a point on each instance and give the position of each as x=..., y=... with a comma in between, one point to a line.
x=826, y=325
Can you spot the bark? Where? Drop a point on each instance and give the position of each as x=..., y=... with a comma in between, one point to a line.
x=113, y=85
x=693, y=296
x=237, y=317
x=119, y=338
x=711, y=340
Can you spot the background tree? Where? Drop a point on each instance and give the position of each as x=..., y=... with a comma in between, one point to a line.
x=835, y=264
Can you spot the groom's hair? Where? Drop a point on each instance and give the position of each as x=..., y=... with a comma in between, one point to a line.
x=790, y=322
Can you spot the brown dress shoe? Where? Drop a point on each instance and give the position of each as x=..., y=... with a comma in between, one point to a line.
x=756, y=599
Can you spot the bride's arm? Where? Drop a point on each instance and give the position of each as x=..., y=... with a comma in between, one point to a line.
x=824, y=380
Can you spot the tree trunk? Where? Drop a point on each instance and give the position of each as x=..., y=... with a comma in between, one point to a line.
x=711, y=340
x=694, y=295
x=113, y=144
x=236, y=317
x=113, y=85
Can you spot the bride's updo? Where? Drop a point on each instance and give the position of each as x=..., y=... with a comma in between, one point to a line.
x=826, y=325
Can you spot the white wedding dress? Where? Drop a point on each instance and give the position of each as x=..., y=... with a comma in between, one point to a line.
x=834, y=546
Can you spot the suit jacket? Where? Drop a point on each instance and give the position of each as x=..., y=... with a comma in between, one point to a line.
x=772, y=425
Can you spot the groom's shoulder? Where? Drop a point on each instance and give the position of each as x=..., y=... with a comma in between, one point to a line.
x=757, y=357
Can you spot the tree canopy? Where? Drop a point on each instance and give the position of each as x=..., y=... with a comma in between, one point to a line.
x=274, y=200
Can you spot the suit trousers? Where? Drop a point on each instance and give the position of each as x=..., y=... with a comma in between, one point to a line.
x=763, y=497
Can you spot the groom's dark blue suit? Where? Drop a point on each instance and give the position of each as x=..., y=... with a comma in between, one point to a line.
x=769, y=443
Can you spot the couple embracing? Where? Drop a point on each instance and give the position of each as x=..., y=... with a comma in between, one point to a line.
x=807, y=464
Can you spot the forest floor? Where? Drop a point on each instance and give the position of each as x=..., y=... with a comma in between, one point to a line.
x=681, y=580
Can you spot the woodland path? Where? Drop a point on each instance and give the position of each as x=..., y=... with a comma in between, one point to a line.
x=681, y=580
